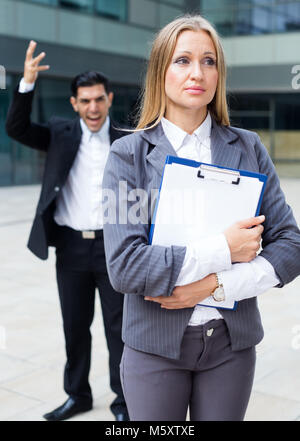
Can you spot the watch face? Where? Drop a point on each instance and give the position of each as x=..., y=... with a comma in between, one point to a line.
x=219, y=294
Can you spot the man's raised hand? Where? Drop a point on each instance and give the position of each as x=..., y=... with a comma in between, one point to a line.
x=32, y=64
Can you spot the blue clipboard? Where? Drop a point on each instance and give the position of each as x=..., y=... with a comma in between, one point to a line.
x=230, y=185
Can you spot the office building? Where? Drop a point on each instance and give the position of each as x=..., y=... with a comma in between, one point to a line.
x=261, y=40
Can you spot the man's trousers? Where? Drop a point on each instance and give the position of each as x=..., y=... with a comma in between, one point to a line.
x=80, y=269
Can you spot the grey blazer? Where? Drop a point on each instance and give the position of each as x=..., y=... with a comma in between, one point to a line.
x=138, y=269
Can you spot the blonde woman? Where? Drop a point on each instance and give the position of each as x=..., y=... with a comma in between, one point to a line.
x=179, y=355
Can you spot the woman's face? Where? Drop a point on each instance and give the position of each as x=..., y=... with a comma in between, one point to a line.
x=192, y=76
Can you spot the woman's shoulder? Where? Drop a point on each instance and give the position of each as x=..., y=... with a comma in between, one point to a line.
x=128, y=142
x=243, y=133
x=248, y=138
x=250, y=143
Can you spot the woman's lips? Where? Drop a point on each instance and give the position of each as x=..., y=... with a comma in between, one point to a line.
x=193, y=90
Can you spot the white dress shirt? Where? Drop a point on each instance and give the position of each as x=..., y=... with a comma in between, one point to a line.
x=211, y=255
x=79, y=204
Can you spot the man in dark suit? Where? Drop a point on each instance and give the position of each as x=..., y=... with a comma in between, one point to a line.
x=69, y=216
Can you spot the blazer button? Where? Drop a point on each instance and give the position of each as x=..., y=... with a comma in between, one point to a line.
x=209, y=332
x=56, y=189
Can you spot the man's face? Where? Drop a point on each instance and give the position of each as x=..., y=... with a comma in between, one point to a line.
x=92, y=104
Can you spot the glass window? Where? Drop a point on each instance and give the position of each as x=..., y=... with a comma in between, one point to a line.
x=252, y=112
x=28, y=165
x=177, y=2
x=116, y=9
x=261, y=20
x=288, y=111
x=255, y=20
x=53, y=99
x=18, y=164
x=238, y=102
x=223, y=20
x=274, y=117
x=6, y=166
x=81, y=5
x=287, y=126
x=124, y=104
x=217, y=4
x=287, y=17
x=44, y=2
x=113, y=9
x=246, y=17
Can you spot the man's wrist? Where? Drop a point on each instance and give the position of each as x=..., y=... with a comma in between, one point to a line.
x=25, y=87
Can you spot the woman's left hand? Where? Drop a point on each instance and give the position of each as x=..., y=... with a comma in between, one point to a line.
x=187, y=296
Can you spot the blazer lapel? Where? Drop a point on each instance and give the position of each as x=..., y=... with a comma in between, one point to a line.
x=161, y=148
x=72, y=136
x=224, y=150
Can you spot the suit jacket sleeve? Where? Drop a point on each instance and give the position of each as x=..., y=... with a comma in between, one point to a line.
x=20, y=127
x=281, y=236
x=134, y=266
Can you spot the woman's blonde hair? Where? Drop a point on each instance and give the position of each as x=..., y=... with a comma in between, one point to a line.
x=153, y=97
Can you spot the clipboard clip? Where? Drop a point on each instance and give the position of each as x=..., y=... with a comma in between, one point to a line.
x=219, y=174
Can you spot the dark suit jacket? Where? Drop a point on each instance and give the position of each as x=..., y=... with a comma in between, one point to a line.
x=60, y=138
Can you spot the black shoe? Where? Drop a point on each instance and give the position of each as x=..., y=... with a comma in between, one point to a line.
x=122, y=416
x=67, y=410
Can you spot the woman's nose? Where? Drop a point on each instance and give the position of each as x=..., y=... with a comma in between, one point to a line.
x=196, y=71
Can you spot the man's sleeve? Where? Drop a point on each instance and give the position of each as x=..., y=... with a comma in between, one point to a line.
x=19, y=125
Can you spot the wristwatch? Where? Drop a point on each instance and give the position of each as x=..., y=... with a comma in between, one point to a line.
x=218, y=294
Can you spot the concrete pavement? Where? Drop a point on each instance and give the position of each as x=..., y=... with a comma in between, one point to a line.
x=32, y=344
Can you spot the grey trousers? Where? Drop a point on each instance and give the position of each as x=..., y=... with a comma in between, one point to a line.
x=209, y=379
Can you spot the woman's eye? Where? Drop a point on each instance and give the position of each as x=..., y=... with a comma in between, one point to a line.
x=209, y=61
x=182, y=60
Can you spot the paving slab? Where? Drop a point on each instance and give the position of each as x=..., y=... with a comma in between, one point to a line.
x=32, y=344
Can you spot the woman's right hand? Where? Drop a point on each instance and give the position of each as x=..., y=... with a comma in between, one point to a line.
x=244, y=241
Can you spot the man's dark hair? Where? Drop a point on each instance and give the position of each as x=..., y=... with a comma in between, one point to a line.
x=88, y=79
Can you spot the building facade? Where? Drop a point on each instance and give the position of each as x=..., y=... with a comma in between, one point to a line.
x=261, y=40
